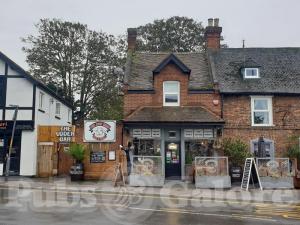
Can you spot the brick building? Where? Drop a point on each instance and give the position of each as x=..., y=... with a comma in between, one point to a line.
x=178, y=105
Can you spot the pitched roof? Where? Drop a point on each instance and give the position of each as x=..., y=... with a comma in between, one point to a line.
x=279, y=70
x=172, y=59
x=32, y=79
x=186, y=114
x=140, y=66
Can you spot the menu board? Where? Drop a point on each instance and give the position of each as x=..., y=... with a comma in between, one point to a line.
x=97, y=157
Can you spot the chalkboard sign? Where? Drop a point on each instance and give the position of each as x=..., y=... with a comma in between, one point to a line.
x=97, y=157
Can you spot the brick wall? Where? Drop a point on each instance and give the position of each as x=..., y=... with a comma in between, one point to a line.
x=286, y=119
x=102, y=171
x=170, y=73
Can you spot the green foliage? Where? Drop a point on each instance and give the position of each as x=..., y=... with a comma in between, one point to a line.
x=80, y=62
x=77, y=151
x=293, y=150
x=188, y=158
x=236, y=150
x=175, y=34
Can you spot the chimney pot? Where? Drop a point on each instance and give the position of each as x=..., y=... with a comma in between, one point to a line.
x=213, y=34
x=216, y=22
x=131, y=39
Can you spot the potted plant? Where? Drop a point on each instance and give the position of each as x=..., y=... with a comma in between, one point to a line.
x=293, y=152
x=77, y=152
x=189, y=169
x=237, y=152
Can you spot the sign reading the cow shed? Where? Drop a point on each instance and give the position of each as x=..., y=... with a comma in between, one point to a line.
x=65, y=134
x=99, y=131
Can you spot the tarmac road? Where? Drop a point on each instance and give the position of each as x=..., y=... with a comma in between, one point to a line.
x=38, y=207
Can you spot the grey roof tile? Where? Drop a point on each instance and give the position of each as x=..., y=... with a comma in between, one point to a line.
x=279, y=70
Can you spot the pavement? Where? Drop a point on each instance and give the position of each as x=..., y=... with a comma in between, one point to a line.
x=58, y=201
x=171, y=188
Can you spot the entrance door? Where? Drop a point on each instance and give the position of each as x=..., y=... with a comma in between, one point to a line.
x=45, y=160
x=15, y=152
x=172, y=160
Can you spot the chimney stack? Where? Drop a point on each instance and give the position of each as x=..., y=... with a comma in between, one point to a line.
x=212, y=34
x=131, y=40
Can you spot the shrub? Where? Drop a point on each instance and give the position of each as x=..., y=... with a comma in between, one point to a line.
x=77, y=152
x=236, y=150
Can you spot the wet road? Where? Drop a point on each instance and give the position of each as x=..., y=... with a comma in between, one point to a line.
x=37, y=207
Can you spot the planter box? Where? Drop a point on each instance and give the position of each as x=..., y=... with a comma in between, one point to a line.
x=213, y=182
x=146, y=181
x=277, y=183
x=189, y=173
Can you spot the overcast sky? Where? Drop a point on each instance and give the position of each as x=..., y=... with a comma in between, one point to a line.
x=262, y=23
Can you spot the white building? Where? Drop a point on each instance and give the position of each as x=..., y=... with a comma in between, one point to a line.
x=38, y=105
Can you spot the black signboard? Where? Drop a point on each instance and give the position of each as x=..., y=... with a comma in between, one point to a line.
x=97, y=157
x=20, y=125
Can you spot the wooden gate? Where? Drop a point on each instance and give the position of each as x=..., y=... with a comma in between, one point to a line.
x=65, y=161
x=46, y=155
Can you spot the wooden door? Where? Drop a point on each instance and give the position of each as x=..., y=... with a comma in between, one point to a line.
x=65, y=161
x=45, y=160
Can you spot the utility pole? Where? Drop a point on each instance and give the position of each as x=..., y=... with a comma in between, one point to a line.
x=11, y=141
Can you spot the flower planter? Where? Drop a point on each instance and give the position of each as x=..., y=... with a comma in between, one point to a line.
x=213, y=182
x=277, y=182
x=189, y=173
x=77, y=172
x=146, y=180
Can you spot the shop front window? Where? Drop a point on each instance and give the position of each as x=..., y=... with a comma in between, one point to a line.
x=195, y=148
x=147, y=147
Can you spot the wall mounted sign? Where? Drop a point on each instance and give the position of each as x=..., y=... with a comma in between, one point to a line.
x=3, y=125
x=146, y=133
x=112, y=155
x=99, y=131
x=20, y=125
x=65, y=134
x=198, y=133
x=97, y=157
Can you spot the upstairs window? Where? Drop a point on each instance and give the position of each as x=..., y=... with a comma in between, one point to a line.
x=41, y=100
x=171, y=94
x=57, y=109
x=2, y=91
x=261, y=111
x=250, y=73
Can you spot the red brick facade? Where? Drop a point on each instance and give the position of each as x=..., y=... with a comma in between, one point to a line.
x=171, y=73
x=286, y=120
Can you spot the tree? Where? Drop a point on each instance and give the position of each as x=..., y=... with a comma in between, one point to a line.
x=78, y=61
x=176, y=34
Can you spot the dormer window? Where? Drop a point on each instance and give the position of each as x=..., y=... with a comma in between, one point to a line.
x=171, y=91
x=250, y=73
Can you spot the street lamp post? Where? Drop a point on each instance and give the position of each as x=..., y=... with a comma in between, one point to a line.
x=11, y=140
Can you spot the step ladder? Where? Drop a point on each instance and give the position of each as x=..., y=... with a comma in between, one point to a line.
x=248, y=173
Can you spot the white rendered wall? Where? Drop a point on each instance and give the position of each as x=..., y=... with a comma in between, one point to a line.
x=22, y=114
x=10, y=71
x=48, y=117
x=28, y=159
x=19, y=92
x=2, y=68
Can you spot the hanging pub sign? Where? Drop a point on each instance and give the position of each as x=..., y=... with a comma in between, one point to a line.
x=65, y=134
x=99, y=131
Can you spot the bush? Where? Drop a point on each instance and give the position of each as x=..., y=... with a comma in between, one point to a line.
x=236, y=150
x=77, y=152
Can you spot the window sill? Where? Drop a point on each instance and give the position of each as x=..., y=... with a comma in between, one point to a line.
x=263, y=125
x=42, y=111
x=57, y=117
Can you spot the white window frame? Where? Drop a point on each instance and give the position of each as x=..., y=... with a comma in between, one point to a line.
x=177, y=93
x=251, y=77
x=69, y=115
x=41, y=100
x=57, y=103
x=270, y=110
